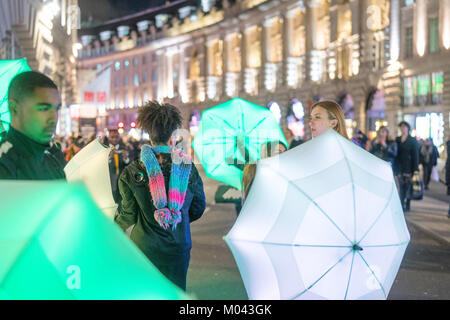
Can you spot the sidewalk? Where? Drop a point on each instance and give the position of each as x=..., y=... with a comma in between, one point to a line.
x=430, y=214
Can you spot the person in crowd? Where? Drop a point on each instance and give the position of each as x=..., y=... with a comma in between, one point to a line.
x=327, y=114
x=162, y=193
x=296, y=141
x=75, y=145
x=268, y=149
x=383, y=146
x=428, y=156
x=447, y=173
x=360, y=139
x=118, y=160
x=406, y=163
x=25, y=153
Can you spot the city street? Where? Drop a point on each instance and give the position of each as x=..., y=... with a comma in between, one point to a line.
x=424, y=272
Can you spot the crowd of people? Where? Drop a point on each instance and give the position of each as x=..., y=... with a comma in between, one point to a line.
x=158, y=196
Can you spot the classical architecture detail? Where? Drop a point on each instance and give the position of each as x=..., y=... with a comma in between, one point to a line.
x=383, y=61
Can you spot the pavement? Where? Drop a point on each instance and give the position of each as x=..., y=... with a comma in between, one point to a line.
x=430, y=215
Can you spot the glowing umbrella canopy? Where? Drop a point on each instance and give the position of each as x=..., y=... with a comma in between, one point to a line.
x=56, y=244
x=8, y=70
x=321, y=221
x=90, y=165
x=231, y=135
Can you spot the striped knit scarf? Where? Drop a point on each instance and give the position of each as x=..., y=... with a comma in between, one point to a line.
x=167, y=214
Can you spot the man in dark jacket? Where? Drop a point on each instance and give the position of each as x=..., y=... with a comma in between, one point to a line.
x=25, y=153
x=168, y=249
x=118, y=160
x=447, y=173
x=428, y=155
x=406, y=164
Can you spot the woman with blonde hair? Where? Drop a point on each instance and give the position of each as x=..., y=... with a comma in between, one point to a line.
x=327, y=114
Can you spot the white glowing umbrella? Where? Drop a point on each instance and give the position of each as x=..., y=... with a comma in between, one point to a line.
x=90, y=165
x=321, y=221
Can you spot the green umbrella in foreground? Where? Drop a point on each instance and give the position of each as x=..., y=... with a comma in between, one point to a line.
x=56, y=244
x=8, y=70
x=230, y=135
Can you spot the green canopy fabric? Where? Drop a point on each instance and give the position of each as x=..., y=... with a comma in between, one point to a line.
x=8, y=69
x=56, y=244
x=231, y=135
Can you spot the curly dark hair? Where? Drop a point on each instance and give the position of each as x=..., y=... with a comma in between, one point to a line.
x=159, y=120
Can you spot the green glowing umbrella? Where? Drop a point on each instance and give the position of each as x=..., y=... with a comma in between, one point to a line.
x=56, y=244
x=8, y=69
x=231, y=135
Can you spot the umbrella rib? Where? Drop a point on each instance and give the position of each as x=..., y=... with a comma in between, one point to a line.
x=353, y=189
x=387, y=245
x=373, y=273
x=313, y=202
x=349, y=275
x=314, y=283
x=214, y=117
x=379, y=216
x=254, y=127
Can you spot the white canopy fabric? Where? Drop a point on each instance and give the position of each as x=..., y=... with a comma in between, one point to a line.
x=321, y=221
x=90, y=165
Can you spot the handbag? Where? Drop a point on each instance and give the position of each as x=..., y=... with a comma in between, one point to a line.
x=435, y=174
x=416, y=188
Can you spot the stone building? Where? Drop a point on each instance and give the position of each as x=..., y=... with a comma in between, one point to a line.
x=383, y=61
x=44, y=32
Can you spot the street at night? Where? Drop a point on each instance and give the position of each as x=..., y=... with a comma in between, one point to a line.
x=225, y=150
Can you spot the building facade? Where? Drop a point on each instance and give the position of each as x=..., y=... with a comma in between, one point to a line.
x=44, y=32
x=383, y=61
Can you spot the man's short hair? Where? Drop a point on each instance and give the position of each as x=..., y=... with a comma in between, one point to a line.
x=406, y=124
x=24, y=84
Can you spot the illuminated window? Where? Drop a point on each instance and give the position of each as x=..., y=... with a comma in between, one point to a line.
x=437, y=87
x=117, y=65
x=136, y=79
x=423, y=89
x=409, y=91
x=126, y=63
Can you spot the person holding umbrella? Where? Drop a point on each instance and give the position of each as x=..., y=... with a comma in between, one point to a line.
x=327, y=114
x=162, y=193
x=271, y=148
x=25, y=153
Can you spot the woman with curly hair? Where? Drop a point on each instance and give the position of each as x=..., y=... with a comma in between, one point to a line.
x=162, y=193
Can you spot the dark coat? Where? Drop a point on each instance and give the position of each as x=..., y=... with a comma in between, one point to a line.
x=447, y=166
x=136, y=207
x=407, y=159
x=387, y=152
x=433, y=156
x=24, y=159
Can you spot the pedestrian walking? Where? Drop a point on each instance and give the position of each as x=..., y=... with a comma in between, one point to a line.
x=447, y=173
x=25, y=152
x=383, y=146
x=162, y=193
x=428, y=156
x=406, y=163
x=118, y=160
